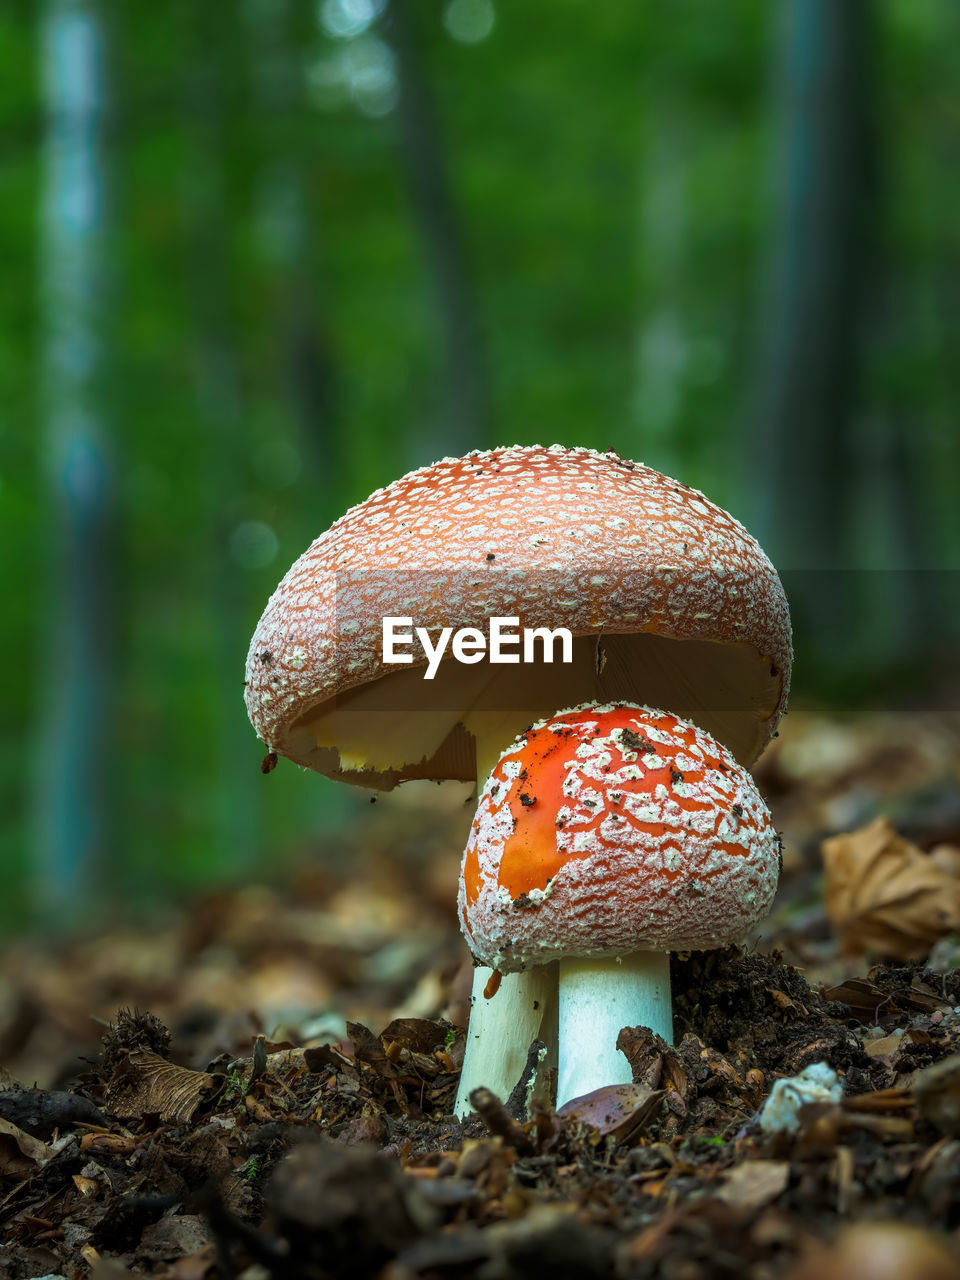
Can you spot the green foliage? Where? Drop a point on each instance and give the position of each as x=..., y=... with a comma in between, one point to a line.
x=276, y=343
x=235, y=1088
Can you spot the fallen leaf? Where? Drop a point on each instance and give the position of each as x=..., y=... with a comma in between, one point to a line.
x=146, y=1084
x=754, y=1183
x=107, y=1144
x=881, y=1100
x=783, y=1001
x=416, y=1034
x=947, y=858
x=617, y=1110
x=937, y=1091
x=862, y=998
x=368, y=1048
x=823, y=1123
x=89, y=1188
x=652, y=1061
x=868, y=1004
x=879, y=1251
x=487, y=1161
x=885, y=1048
x=319, y=1056
x=20, y=1154
x=885, y=894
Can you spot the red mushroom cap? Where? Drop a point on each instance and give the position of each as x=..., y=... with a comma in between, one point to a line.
x=554, y=536
x=610, y=830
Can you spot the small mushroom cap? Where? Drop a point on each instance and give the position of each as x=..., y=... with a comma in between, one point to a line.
x=691, y=612
x=609, y=830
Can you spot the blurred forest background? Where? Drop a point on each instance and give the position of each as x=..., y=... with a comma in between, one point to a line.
x=263, y=256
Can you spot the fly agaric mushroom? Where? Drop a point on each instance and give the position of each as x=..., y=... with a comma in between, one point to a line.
x=669, y=599
x=689, y=611
x=605, y=838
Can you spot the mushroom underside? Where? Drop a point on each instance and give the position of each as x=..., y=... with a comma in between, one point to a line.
x=401, y=727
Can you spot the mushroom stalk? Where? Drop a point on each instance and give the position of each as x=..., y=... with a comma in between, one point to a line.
x=504, y=1024
x=502, y=1028
x=598, y=998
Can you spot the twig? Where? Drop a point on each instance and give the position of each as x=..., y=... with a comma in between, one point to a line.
x=499, y=1121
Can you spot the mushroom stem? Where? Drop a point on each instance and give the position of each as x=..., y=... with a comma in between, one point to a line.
x=597, y=999
x=502, y=1028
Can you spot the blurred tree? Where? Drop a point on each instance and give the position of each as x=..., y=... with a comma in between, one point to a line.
x=804, y=454
x=214, y=72
x=279, y=35
x=463, y=420
x=73, y=739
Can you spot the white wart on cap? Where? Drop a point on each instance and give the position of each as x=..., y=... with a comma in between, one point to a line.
x=691, y=612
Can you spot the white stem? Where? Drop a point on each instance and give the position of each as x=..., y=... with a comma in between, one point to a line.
x=502, y=1029
x=597, y=999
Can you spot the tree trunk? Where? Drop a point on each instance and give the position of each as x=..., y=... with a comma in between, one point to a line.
x=803, y=453
x=278, y=39
x=207, y=237
x=70, y=827
x=465, y=420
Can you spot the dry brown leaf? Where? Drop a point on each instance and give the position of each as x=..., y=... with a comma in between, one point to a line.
x=652, y=1061
x=896, y=1098
x=754, y=1183
x=868, y=1004
x=616, y=1110
x=879, y=1250
x=783, y=1001
x=947, y=858
x=937, y=1091
x=863, y=999
x=20, y=1153
x=107, y=1144
x=368, y=1048
x=146, y=1084
x=823, y=1123
x=418, y=1035
x=886, y=895
x=884, y=1049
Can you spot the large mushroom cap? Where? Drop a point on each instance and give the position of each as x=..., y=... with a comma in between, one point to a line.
x=692, y=613
x=610, y=830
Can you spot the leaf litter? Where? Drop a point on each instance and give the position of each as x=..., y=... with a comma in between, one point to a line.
x=234, y=1131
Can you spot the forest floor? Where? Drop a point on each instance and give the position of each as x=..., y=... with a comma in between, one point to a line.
x=214, y=1124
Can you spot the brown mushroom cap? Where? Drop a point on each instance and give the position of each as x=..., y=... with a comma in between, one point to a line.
x=691, y=612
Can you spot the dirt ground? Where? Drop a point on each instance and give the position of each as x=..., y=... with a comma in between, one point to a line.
x=263, y=1087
